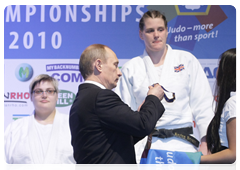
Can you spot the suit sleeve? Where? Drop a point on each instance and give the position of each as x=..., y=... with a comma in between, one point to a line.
x=116, y=115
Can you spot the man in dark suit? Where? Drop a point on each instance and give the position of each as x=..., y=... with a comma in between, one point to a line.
x=104, y=129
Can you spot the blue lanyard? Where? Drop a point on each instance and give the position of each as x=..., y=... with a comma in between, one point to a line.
x=165, y=96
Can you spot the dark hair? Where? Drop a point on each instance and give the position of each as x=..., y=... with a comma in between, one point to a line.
x=89, y=55
x=226, y=82
x=151, y=14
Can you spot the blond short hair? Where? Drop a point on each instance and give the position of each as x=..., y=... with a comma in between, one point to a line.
x=43, y=78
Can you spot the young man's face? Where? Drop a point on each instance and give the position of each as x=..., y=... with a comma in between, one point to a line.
x=154, y=34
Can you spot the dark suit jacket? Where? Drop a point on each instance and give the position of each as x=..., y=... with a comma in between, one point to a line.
x=104, y=129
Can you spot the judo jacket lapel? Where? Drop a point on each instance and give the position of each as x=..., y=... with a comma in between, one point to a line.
x=35, y=144
x=150, y=68
x=36, y=148
x=151, y=72
x=53, y=143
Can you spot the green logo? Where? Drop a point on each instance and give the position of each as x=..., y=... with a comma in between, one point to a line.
x=65, y=98
x=24, y=72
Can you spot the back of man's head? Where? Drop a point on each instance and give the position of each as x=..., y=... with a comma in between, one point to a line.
x=89, y=56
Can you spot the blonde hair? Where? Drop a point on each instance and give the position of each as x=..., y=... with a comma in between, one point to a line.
x=42, y=78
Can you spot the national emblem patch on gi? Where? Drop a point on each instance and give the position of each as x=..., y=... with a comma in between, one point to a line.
x=179, y=68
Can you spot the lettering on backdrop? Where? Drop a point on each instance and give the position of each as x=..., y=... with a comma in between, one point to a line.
x=210, y=74
x=196, y=24
x=16, y=99
x=72, y=13
x=196, y=37
x=65, y=98
x=65, y=76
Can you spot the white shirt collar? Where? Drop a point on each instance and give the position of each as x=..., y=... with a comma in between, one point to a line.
x=95, y=83
x=233, y=93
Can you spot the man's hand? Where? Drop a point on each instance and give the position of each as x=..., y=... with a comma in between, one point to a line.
x=156, y=90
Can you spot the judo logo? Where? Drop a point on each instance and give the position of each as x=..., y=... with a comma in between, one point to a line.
x=24, y=72
x=179, y=68
x=192, y=7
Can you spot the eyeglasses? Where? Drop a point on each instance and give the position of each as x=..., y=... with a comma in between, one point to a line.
x=48, y=92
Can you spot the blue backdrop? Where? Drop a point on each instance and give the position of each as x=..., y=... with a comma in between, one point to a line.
x=59, y=32
x=50, y=39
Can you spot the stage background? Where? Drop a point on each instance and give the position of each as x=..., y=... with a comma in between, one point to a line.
x=50, y=39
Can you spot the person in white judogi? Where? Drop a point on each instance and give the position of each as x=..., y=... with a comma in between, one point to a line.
x=179, y=72
x=44, y=137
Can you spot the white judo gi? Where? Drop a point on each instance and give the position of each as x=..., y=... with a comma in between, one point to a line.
x=24, y=144
x=181, y=74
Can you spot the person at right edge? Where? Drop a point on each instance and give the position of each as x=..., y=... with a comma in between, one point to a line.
x=180, y=73
x=221, y=133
